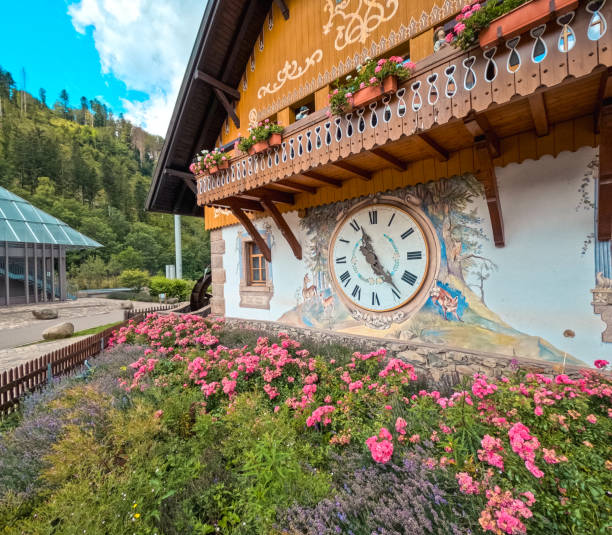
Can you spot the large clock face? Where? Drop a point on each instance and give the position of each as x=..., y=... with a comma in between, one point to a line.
x=379, y=257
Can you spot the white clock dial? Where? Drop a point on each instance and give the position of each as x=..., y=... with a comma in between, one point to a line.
x=379, y=257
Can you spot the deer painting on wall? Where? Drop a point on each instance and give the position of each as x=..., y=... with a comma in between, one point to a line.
x=309, y=291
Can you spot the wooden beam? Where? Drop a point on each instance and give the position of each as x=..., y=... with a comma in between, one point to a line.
x=438, y=151
x=298, y=187
x=228, y=107
x=272, y=194
x=394, y=162
x=273, y=212
x=217, y=84
x=486, y=175
x=604, y=185
x=283, y=8
x=239, y=202
x=322, y=178
x=179, y=174
x=604, y=93
x=250, y=228
x=191, y=185
x=478, y=126
x=346, y=166
x=537, y=107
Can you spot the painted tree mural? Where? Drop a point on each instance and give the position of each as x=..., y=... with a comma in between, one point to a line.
x=449, y=204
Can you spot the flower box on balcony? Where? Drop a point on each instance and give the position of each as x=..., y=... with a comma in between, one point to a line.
x=522, y=18
x=372, y=93
x=275, y=140
x=260, y=146
x=223, y=165
x=212, y=170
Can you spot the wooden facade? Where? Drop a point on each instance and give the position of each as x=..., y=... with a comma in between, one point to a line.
x=456, y=108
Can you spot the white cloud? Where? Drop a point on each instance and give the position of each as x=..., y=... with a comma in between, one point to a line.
x=146, y=44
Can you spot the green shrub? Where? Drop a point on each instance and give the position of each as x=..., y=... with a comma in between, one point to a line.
x=171, y=287
x=134, y=278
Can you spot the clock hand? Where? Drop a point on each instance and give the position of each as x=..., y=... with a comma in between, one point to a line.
x=372, y=259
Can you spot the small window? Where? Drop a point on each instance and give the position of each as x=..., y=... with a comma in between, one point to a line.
x=256, y=265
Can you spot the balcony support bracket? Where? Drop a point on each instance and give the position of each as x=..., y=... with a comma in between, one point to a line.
x=253, y=232
x=282, y=225
x=486, y=175
x=479, y=126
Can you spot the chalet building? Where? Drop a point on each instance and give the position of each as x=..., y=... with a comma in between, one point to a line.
x=470, y=206
x=33, y=247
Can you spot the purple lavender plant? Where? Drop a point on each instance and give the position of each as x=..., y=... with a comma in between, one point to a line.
x=384, y=500
x=23, y=448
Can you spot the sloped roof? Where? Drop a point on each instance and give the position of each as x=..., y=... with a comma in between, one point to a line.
x=23, y=223
x=222, y=48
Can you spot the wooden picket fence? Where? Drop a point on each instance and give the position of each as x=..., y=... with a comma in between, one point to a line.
x=130, y=314
x=32, y=375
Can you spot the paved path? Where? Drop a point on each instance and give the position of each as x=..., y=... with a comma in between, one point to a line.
x=10, y=358
x=19, y=327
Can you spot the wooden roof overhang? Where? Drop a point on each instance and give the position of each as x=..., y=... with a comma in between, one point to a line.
x=225, y=39
x=456, y=105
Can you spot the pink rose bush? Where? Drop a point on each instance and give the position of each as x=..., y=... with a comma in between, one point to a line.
x=520, y=448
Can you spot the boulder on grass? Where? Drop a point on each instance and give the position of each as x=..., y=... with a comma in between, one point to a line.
x=63, y=330
x=127, y=306
x=45, y=313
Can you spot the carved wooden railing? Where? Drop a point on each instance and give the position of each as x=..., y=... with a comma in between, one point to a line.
x=450, y=84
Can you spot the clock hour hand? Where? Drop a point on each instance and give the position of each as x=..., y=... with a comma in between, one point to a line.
x=368, y=252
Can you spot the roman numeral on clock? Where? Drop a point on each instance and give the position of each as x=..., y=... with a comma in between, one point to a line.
x=342, y=260
x=345, y=278
x=373, y=217
x=391, y=220
x=395, y=293
x=410, y=278
x=343, y=240
x=375, y=300
x=407, y=233
x=413, y=255
x=356, y=292
x=355, y=225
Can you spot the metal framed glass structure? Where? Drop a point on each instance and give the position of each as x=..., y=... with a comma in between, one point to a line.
x=33, y=248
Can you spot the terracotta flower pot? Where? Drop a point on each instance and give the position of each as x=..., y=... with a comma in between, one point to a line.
x=213, y=170
x=251, y=150
x=260, y=146
x=275, y=140
x=523, y=18
x=224, y=165
x=389, y=84
x=372, y=93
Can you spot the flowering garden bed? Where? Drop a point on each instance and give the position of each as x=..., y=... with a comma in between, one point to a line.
x=185, y=427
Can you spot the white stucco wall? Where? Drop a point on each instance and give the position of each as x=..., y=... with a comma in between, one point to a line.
x=543, y=282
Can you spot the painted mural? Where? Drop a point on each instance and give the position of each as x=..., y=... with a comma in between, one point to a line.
x=516, y=300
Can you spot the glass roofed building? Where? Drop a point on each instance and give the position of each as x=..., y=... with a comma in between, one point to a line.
x=33, y=248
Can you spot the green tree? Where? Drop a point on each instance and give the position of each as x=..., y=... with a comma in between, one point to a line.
x=64, y=104
x=135, y=279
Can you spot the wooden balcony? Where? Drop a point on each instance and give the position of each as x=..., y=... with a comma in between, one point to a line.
x=455, y=101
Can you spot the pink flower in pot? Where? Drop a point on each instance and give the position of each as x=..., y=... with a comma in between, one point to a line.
x=361, y=85
x=373, y=80
x=378, y=69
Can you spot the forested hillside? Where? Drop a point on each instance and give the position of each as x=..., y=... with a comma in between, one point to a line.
x=92, y=170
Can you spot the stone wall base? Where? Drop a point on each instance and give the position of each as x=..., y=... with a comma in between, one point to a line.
x=217, y=250
x=437, y=364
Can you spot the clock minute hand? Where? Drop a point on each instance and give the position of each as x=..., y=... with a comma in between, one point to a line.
x=371, y=258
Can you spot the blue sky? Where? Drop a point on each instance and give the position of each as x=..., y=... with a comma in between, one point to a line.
x=131, y=54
